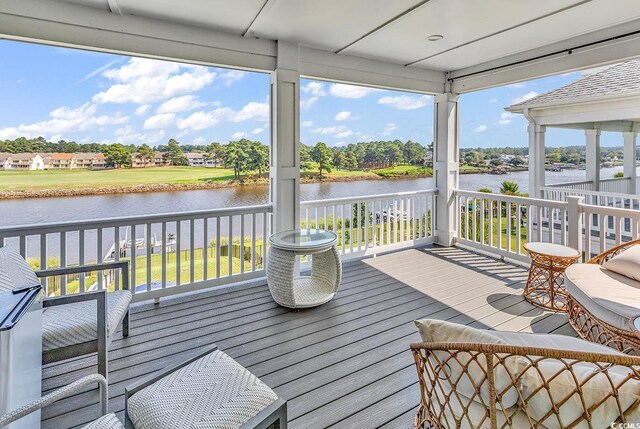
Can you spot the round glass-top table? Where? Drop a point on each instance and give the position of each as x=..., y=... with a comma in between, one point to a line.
x=545, y=285
x=291, y=290
x=304, y=240
x=636, y=326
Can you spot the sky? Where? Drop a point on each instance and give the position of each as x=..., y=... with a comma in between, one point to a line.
x=66, y=94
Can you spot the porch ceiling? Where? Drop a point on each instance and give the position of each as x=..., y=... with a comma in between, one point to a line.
x=481, y=40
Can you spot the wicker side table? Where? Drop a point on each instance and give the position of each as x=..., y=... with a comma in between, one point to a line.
x=293, y=291
x=545, y=285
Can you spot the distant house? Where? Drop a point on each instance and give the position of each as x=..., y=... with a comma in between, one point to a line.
x=60, y=161
x=26, y=161
x=198, y=159
x=5, y=159
x=91, y=160
x=160, y=160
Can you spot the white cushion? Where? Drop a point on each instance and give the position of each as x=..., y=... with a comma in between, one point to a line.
x=108, y=421
x=609, y=296
x=69, y=324
x=211, y=392
x=475, y=375
x=553, y=341
x=626, y=263
x=596, y=387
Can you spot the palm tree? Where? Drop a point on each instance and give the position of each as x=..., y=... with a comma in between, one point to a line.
x=508, y=187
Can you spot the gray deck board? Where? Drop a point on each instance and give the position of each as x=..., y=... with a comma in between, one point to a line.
x=344, y=364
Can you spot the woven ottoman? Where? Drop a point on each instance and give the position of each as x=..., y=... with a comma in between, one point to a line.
x=208, y=391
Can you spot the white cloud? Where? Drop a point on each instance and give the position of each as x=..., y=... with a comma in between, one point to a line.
x=493, y=100
x=315, y=89
x=305, y=104
x=199, y=141
x=140, y=111
x=201, y=120
x=180, y=104
x=405, y=102
x=257, y=130
x=238, y=135
x=506, y=118
x=517, y=85
x=128, y=135
x=306, y=124
x=252, y=110
x=389, y=129
x=480, y=129
x=144, y=81
x=64, y=120
x=162, y=120
x=529, y=95
x=232, y=76
x=339, y=132
x=342, y=116
x=351, y=91
x=344, y=134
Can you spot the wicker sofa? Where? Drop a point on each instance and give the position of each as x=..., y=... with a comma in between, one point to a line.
x=491, y=379
x=602, y=303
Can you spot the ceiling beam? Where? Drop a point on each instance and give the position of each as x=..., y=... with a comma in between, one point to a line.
x=76, y=26
x=606, y=46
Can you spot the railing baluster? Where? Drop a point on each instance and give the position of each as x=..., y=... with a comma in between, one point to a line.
x=165, y=244
x=43, y=260
x=205, y=249
x=490, y=239
x=603, y=232
x=148, y=251
x=218, y=247
x=230, y=245
x=265, y=237
x=342, y=228
x=116, y=254
x=241, y=244
x=63, y=263
x=253, y=242
x=81, y=259
x=132, y=256
x=178, y=251
x=192, y=251
x=23, y=245
x=354, y=236
x=499, y=226
x=100, y=257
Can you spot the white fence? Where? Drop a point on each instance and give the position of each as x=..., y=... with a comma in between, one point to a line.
x=168, y=253
x=585, y=185
x=376, y=223
x=618, y=185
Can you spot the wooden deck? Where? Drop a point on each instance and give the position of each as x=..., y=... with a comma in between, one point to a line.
x=345, y=364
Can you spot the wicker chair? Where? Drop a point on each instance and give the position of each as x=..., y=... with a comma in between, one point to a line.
x=594, y=328
x=73, y=325
x=583, y=389
x=106, y=421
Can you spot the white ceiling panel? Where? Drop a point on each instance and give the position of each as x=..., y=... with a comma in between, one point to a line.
x=570, y=23
x=459, y=21
x=326, y=24
x=233, y=16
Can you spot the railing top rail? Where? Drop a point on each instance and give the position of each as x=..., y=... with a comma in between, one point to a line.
x=129, y=220
x=367, y=198
x=610, y=211
x=592, y=193
x=561, y=185
x=513, y=199
x=615, y=179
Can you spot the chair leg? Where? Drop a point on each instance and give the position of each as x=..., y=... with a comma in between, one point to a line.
x=102, y=361
x=125, y=325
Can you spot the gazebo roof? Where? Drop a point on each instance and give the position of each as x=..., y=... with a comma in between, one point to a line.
x=617, y=81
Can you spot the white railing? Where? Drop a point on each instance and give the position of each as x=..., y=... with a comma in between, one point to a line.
x=376, y=223
x=618, y=185
x=502, y=224
x=609, y=227
x=585, y=185
x=168, y=253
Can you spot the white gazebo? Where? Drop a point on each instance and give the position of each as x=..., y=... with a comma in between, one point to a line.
x=605, y=101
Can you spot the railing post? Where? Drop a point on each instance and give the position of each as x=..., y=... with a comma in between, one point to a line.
x=574, y=223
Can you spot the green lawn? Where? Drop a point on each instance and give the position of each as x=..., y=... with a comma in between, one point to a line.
x=29, y=180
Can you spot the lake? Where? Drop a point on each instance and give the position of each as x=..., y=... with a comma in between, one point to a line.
x=46, y=210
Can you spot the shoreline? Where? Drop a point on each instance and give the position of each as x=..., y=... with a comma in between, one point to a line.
x=176, y=187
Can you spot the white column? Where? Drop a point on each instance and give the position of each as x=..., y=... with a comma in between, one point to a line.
x=285, y=138
x=446, y=166
x=630, y=160
x=593, y=157
x=536, y=159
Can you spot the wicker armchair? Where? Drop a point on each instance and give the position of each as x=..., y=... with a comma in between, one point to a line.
x=593, y=328
x=524, y=387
